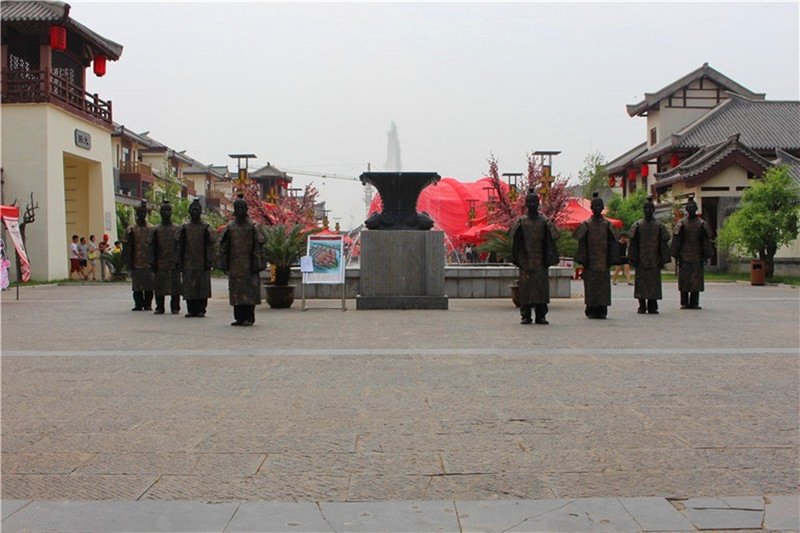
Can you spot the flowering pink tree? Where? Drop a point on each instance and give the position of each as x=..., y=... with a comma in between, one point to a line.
x=286, y=211
x=509, y=204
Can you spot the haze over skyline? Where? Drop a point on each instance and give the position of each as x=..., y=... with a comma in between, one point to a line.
x=315, y=87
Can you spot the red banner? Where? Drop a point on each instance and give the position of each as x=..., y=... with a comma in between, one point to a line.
x=12, y=224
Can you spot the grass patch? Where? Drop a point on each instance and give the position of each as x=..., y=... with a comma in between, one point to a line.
x=736, y=276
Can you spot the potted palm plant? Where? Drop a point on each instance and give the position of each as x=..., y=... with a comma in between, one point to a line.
x=283, y=247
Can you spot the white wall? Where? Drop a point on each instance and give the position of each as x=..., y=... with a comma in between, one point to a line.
x=36, y=138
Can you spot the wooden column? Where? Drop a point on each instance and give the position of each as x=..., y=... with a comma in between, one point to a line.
x=46, y=64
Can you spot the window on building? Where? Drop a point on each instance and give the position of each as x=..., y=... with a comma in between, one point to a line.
x=653, y=136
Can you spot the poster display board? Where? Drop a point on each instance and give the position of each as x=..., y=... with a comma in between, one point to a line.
x=327, y=259
x=10, y=217
x=323, y=263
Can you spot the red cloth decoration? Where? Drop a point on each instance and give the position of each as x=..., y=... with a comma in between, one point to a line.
x=632, y=174
x=612, y=181
x=674, y=160
x=58, y=38
x=100, y=65
x=645, y=170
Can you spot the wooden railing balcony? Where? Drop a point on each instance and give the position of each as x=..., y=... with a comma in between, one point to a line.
x=39, y=86
x=137, y=167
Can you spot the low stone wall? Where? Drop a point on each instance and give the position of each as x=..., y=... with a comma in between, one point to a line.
x=484, y=281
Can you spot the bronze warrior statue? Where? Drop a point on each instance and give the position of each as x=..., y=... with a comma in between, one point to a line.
x=648, y=253
x=241, y=256
x=597, y=252
x=533, y=250
x=137, y=253
x=194, y=255
x=167, y=277
x=691, y=247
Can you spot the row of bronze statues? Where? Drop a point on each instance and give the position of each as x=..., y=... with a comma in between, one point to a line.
x=171, y=260
x=534, y=251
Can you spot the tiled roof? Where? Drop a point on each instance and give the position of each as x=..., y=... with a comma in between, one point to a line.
x=270, y=171
x=790, y=161
x=704, y=159
x=651, y=99
x=764, y=125
x=620, y=163
x=40, y=11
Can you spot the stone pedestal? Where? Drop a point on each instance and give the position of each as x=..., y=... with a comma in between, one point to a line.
x=402, y=270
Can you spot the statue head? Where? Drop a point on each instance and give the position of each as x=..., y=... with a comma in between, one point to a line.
x=240, y=208
x=649, y=209
x=195, y=210
x=166, y=212
x=141, y=213
x=691, y=207
x=532, y=202
x=597, y=206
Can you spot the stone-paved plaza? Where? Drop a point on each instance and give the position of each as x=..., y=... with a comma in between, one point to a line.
x=100, y=403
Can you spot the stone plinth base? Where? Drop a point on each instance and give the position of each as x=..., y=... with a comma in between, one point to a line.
x=401, y=302
x=402, y=270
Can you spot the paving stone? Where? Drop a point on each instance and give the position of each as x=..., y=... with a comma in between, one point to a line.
x=41, y=463
x=656, y=514
x=9, y=507
x=500, y=515
x=782, y=512
x=400, y=517
x=353, y=463
x=488, y=487
x=520, y=460
x=665, y=483
x=378, y=487
x=278, y=517
x=74, y=487
x=750, y=503
x=120, y=516
x=769, y=480
x=718, y=519
x=153, y=463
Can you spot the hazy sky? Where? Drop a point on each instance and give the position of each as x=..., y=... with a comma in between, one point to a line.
x=316, y=86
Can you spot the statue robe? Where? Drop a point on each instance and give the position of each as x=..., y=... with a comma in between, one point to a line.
x=648, y=252
x=597, y=252
x=167, y=277
x=194, y=256
x=138, y=254
x=241, y=254
x=533, y=250
x=691, y=246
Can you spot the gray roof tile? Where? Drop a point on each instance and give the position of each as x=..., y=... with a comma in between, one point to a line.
x=41, y=11
x=651, y=99
x=620, y=163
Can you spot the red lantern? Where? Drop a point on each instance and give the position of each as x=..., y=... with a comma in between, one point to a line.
x=645, y=170
x=632, y=175
x=612, y=181
x=58, y=38
x=100, y=65
x=674, y=160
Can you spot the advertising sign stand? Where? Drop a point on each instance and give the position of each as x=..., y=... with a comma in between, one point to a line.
x=323, y=264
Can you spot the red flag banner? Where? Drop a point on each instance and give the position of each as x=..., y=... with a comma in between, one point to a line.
x=12, y=224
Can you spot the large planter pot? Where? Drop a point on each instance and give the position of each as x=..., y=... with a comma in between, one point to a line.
x=280, y=296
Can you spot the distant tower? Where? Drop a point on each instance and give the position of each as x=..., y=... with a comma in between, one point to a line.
x=367, y=193
x=393, y=163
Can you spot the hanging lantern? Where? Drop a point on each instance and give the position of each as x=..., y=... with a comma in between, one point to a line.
x=58, y=38
x=100, y=65
x=612, y=181
x=645, y=170
x=674, y=160
x=632, y=174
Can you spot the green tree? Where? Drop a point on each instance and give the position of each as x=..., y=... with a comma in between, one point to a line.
x=167, y=188
x=628, y=209
x=593, y=177
x=124, y=218
x=766, y=219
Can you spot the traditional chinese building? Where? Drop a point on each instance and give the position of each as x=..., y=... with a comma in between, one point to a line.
x=272, y=181
x=56, y=133
x=707, y=136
